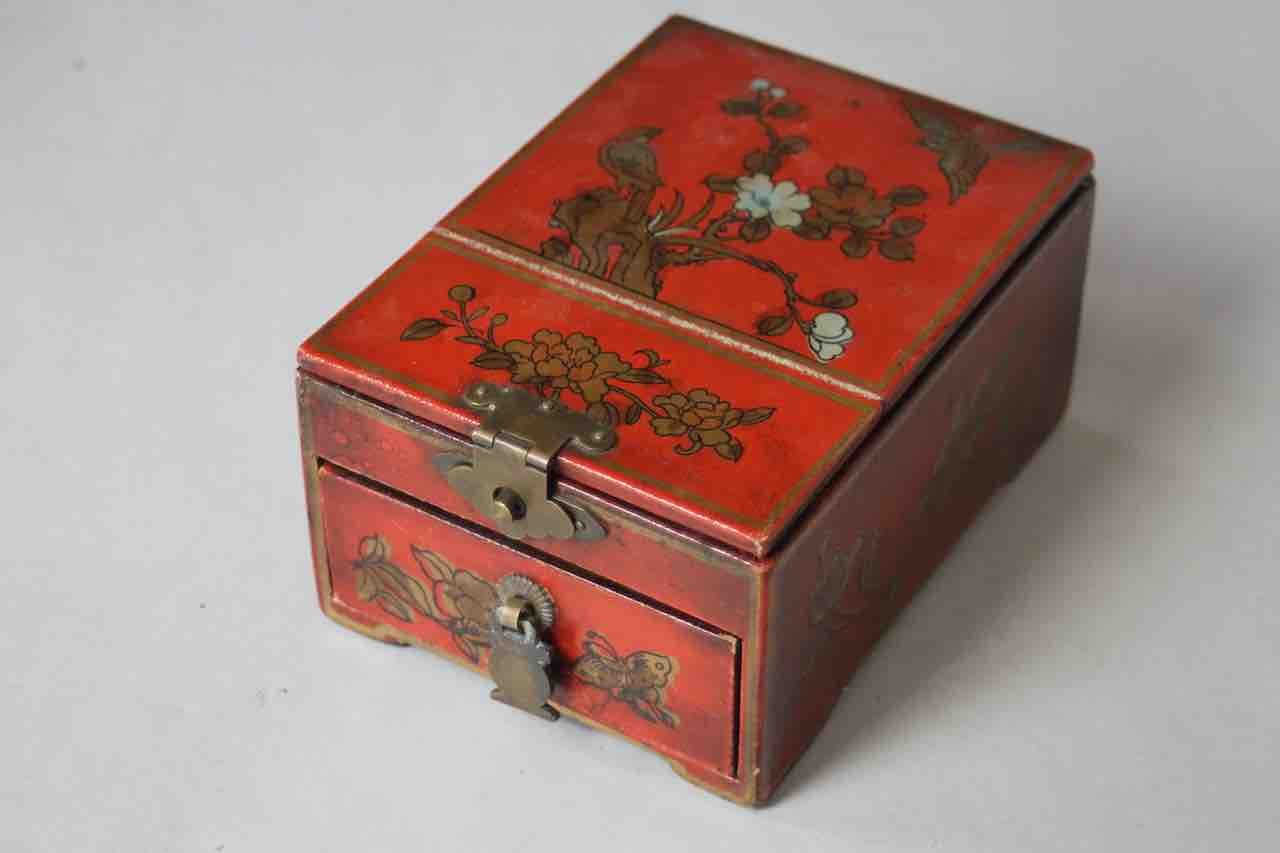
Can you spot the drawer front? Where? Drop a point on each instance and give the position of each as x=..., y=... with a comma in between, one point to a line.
x=621, y=663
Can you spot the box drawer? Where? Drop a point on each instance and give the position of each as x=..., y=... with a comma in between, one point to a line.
x=408, y=573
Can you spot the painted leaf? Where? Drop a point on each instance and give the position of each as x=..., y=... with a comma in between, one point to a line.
x=755, y=230
x=856, y=245
x=420, y=330
x=643, y=376
x=394, y=582
x=906, y=226
x=721, y=184
x=740, y=106
x=731, y=450
x=366, y=586
x=908, y=195
x=435, y=566
x=761, y=162
x=813, y=229
x=898, y=249
x=493, y=361
x=418, y=594
x=395, y=607
x=634, y=411
x=651, y=356
x=773, y=325
x=840, y=298
x=785, y=109
x=792, y=144
x=467, y=647
x=757, y=415
x=840, y=177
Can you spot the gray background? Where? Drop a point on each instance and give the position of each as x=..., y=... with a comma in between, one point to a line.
x=187, y=194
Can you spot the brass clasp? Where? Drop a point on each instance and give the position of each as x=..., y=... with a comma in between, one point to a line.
x=505, y=477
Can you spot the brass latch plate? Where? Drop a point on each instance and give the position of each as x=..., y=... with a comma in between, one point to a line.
x=505, y=477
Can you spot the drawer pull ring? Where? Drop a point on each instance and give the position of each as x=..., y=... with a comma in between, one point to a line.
x=518, y=660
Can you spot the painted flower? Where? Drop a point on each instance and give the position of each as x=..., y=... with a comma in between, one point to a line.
x=703, y=417
x=828, y=335
x=778, y=92
x=759, y=84
x=573, y=362
x=781, y=202
x=853, y=204
x=468, y=598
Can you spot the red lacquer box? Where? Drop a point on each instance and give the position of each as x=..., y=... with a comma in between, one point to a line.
x=665, y=422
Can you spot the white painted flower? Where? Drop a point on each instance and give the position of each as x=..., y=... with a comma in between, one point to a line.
x=781, y=202
x=759, y=84
x=828, y=335
x=778, y=92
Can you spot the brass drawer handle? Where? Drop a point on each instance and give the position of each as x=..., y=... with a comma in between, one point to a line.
x=518, y=660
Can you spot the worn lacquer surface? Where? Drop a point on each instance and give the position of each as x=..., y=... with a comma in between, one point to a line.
x=890, y=520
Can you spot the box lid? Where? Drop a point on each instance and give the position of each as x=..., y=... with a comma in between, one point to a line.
x=740, y=256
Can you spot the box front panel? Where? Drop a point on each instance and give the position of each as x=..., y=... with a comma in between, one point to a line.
x=409, y=574
x=888, y=522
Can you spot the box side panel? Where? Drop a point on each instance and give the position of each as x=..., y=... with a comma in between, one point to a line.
x=887, y=523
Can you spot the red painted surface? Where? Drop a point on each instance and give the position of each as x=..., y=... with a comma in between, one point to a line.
x=743, y=503
x=702, y=694
x=705, y=322
x=677, y=80
x=720, y=558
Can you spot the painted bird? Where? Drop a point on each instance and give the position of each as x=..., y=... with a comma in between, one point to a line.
x=630, y=159
x=962, y=152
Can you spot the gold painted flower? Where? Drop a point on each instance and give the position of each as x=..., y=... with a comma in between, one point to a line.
x=702, y=416
x=852, y=204
x=573, y=362
x=469, y=598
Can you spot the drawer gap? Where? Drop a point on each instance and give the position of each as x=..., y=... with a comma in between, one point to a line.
x=526, y=550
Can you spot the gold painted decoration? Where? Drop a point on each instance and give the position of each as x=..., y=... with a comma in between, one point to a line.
x=454, y=599
x=618, y=233
x=639, y=679
x=850, y=581
x=558, y=364
x=962, y=152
